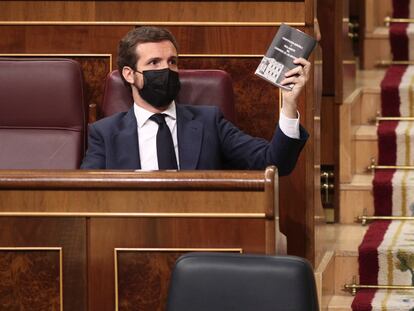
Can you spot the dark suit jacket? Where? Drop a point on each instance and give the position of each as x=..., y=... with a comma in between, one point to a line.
x=206, y=141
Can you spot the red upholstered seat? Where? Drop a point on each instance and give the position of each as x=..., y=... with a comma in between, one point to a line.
x=42, y=114
x=198, y=87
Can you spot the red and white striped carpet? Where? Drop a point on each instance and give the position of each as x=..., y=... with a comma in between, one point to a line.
x=386, y=254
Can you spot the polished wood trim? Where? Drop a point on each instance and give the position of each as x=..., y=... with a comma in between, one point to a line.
x=82, y=193
x=223, y=55
x=349, y=62
x=59, y=55
x=59, y=249
x=272, y=211
x=147, y=23
x=142, y=215
x=168, y=180
x=271, y=193
x=179, y=249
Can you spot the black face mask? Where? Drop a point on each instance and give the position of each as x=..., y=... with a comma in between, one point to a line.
x=161, y=87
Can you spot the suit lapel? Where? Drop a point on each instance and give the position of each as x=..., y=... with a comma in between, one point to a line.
x=126, y=143
x=189, y=135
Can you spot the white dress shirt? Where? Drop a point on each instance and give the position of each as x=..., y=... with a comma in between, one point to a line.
x=289, y=127
x=147, y=133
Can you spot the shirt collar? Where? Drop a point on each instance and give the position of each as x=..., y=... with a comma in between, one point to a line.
x=142, y=115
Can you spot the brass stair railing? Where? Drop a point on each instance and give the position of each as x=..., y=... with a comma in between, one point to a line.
x=388, y=20
x=374, y=166
x=394, y=62
x=379, y=119
x=364, y=219
x=354, y=287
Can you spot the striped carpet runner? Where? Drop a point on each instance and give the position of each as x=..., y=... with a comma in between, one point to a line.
x=386, y=254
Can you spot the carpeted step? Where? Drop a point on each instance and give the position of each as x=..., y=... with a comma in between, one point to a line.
x=386, y=254
x=383, y=300
x=403, y=8
x=402, y=34
x=397, y=92
x=396, y=143
x=363, y=300
x=368, y=252
x=393, y=193
x=401, y=38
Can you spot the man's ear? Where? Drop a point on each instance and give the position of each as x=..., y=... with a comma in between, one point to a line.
x=128, y=74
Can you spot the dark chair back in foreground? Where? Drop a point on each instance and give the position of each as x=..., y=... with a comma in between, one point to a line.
x=198, y=87
x=42, y=114
x=229, y=281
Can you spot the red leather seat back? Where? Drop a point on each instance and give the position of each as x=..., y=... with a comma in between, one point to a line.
x=42, y=114
x=198, y=87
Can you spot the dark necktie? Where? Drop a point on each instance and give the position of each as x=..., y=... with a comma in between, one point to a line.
x=165, y=146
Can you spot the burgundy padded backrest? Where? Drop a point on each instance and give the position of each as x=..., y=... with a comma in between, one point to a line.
x=42, y=114
x=198, y=87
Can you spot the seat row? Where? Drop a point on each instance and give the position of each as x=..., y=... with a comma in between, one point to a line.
x=43, y=113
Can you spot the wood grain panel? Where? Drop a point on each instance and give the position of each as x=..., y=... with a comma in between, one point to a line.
x=297, y=189
x=143, y=279
x=94, y=70
x=105, y=39
x=320, y=239
x=228, y=11
x=108, y=234
x=326, y=22
x=144, y=276
x=328, y=128
x=47, y=10
x=68, y=233
x=30, y=279
x=256, y=101
x=120, y=201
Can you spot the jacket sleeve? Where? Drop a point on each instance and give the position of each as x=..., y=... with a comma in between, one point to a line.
x=95, y=154
x=242, y=151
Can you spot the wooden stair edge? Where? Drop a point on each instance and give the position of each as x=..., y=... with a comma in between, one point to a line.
x=358, y=182
x=366, y=132
x=379, y=32
x=340, y=303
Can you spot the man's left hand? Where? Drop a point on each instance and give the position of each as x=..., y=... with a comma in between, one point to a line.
x=298, y=76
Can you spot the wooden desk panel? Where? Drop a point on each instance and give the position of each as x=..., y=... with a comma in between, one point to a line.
x=47, y=233
x=148, y=276
x=105, y=202
x=120, y=232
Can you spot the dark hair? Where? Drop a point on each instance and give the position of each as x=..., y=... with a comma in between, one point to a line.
x=127, y=55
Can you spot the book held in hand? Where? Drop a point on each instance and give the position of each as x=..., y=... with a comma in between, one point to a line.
x=288, y=44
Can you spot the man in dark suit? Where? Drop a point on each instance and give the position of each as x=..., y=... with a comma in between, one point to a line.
x=158, y=134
